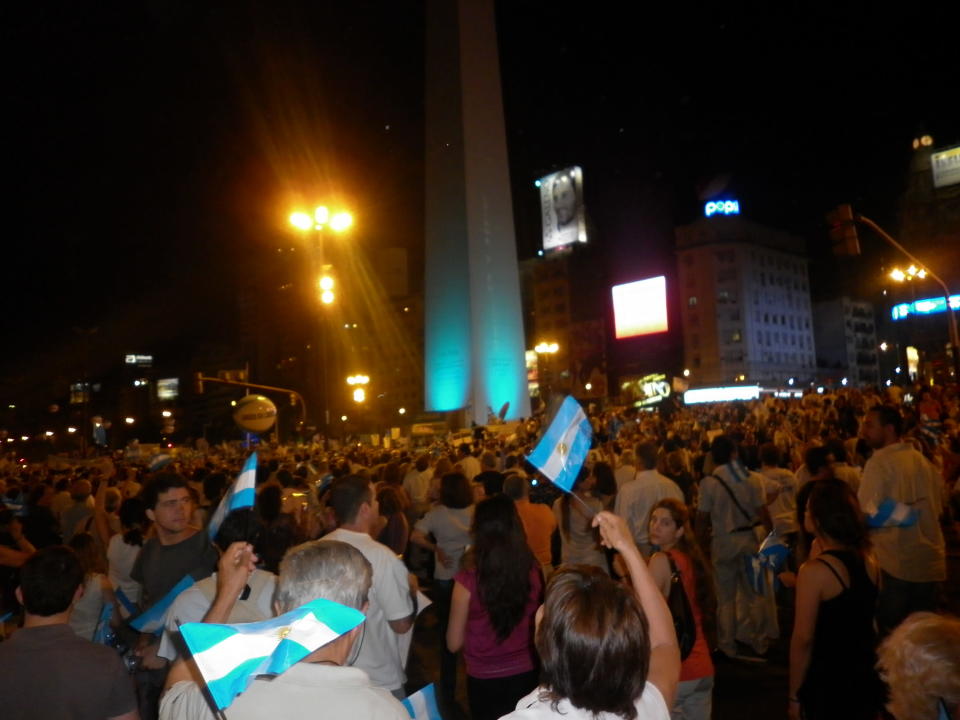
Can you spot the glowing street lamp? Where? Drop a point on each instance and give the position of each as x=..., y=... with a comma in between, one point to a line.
x=402, y=411
x=359, y=395
x=129, y=420
x=546, y=348
x=71, y=430
x=883, y=346
x=167, y=413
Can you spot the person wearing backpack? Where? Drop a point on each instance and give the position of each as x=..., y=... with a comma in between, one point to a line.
x=681, y=572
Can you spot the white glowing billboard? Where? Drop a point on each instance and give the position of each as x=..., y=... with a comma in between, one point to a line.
x=945, y=165
x=640, y=308
x=721, y=394
x=561, y=203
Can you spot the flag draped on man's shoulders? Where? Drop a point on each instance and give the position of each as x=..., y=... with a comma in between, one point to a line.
x=563, y=448
x=242, y=494
x=152, y=619
x=891, y=513
x=230, y=656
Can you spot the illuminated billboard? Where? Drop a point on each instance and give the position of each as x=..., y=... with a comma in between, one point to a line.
x=168, y=388
x=721, y=394
x=640, y=308
x=561, y=203
x=721, y=207
x=946, y=167
x=927, y=306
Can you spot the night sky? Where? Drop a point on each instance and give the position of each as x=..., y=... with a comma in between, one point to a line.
x=150, y=145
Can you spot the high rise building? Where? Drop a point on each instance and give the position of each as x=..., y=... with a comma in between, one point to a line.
x=745, y=303
x=846, y=341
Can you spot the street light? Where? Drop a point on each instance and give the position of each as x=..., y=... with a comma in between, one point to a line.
x=71, y=430
x=167, y=413
x=129, y=420
x=359, y=395
x=402, y=411
x=318, y=222
x=546, y=348
x=883, y=346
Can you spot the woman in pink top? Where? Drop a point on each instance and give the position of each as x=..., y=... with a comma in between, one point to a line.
x=670, y=531
x=495, y=598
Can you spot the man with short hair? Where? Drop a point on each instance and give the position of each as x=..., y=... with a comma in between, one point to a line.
x=392, y=608
x=912, y=559
x=80, y=509
x=46, y=670
x=176, y=550
x=489, y=477
x=321, y=684
x=732, y=504
x=538, y=521
x=637, y=497
x=469, y=465
x=627, y=470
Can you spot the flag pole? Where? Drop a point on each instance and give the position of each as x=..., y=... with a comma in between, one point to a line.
x=220, y=714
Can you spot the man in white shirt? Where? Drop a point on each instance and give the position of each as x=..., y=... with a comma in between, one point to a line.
x=627, y=470
x=637, y=497
x=322, y=684
x=469, y=465
x=732, y=503
x=912, y=559
x=392, y=608
x=781, y=487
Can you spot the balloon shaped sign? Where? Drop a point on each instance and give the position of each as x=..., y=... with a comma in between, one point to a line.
x=255, y=414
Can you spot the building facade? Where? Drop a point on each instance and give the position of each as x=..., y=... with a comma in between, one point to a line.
x=846, y=340
x=745, y=303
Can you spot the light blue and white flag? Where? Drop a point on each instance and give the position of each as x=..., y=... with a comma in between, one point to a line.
x=159, y=461
x=230, y=656
x=103, y=633
x=563, y=448
x=152, y=620
x=422, y=705
x=242, y=494
x=763, y=567
x=891, y=513
x=125, y=602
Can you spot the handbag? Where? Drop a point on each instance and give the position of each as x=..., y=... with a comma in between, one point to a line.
x=681, y=611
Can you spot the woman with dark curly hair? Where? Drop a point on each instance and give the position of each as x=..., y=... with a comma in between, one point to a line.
x=495, y=597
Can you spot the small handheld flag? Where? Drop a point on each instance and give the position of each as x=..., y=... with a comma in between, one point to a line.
x=242, y=494
x=230, y=656
x=152, y=620
x=422, y=705
x=159, y=461
x=891, y=513
x=103, y=634
x=563, y=448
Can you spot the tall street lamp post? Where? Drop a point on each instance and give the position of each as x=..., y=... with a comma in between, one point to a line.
x=318, y=223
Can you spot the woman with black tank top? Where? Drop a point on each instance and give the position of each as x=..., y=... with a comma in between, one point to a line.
x=833, y=648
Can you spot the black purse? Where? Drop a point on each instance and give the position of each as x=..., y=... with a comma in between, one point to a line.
x=679, y=604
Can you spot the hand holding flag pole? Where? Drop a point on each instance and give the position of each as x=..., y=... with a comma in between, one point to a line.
x=563, y=449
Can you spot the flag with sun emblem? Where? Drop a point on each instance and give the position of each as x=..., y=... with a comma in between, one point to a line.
x=563, y=448
x=230, y=656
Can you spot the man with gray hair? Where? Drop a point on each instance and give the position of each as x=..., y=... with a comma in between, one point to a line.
x=323, y=679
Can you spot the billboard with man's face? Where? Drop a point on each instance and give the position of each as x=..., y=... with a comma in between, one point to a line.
x=561, y=202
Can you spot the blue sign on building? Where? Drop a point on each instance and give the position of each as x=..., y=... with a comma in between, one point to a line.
x=722, y=207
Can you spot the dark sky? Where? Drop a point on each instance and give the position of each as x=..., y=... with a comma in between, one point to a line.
x=150, y=146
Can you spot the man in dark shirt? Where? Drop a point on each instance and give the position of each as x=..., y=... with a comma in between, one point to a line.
x=46, y=670
x=177, y=549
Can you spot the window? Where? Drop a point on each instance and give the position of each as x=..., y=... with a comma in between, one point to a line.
x=736, y=336
x=692, y=300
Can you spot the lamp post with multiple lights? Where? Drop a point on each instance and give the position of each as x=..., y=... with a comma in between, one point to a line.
x=317, y=224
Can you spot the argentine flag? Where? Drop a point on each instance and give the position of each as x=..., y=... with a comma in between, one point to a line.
x=563, y=448
x=230, y=656
x=422, y=705
x=242, y=494
x=152, y=620
x=891, y=513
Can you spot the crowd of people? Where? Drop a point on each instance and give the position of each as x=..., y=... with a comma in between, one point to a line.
x=618, y=599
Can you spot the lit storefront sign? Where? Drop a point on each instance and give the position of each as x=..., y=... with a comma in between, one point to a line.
x=928, y=306
x=721, y=207
x=721, y=394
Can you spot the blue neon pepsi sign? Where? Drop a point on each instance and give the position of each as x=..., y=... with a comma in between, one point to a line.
x=929, y=306
x=722, y=207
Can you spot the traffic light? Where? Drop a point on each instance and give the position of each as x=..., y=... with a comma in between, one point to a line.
x=198, y=383
x=843, y=231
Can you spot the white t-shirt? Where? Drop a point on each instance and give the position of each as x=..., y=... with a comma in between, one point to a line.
x=783, y=509
x=305, y=690
x=380, y=655
x=650, y=706
x=194, y=602
x=451, y=528
x=120, y=559
x=86, y=613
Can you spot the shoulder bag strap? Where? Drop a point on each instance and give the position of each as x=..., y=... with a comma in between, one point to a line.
x=748, y=516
